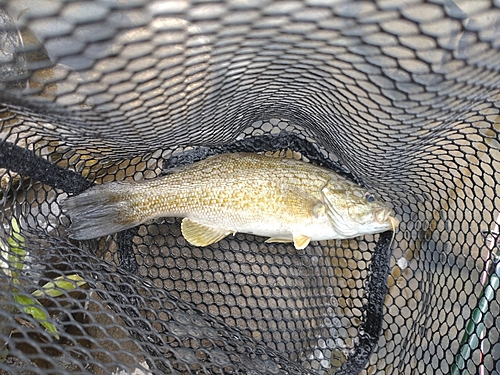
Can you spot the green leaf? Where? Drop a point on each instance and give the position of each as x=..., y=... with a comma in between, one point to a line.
x=16, y=241
x=3, y=355
x=17, y=253
x=55, y=288
x=15, y=263
x=31, y=306
x=51, y=328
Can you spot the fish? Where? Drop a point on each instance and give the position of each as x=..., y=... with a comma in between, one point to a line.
x=286, y=200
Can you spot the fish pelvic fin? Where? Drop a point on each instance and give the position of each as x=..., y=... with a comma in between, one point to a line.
x=202, y=235
x=99, y=211
x=300, y=241
x=276, y=239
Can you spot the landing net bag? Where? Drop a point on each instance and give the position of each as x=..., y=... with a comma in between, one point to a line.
x=398, y=96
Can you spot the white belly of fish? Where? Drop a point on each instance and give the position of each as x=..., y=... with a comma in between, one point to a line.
x=201, y=230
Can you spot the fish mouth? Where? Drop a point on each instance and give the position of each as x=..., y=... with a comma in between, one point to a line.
x=385, y=216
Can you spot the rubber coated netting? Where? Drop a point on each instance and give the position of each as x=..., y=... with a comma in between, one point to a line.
x=400, y=96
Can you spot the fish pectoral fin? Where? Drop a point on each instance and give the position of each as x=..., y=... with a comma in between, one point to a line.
x=277, y=239
x=201, y=235
x=300, y=241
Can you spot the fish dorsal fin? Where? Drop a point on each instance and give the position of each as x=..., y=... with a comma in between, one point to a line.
x=201, y=235
x=300, y=241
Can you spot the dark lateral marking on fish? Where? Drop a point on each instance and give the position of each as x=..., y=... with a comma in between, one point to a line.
x=27, y=164
x=375, y=292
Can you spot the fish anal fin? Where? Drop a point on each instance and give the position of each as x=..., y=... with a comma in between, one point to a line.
x=276, y=239
x=300, y=241
x=201, y=235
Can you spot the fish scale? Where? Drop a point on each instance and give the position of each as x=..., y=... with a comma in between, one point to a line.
x=287, y=200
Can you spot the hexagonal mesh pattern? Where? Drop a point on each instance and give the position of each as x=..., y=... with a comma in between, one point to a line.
x=398, y=96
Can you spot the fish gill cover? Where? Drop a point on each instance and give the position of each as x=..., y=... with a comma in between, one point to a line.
x=399, y=97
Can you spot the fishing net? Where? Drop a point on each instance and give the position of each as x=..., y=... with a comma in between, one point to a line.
x=398, y=96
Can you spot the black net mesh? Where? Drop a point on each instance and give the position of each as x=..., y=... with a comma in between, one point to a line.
x=398, y=96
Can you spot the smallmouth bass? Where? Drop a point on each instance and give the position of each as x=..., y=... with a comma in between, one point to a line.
x=286, y=200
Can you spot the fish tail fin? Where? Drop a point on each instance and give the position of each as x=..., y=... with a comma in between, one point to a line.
x=100, y=211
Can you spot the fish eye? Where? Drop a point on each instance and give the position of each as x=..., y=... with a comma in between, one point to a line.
x=370, y=198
